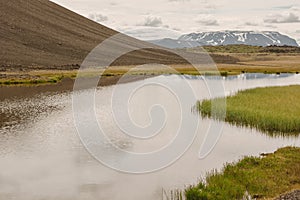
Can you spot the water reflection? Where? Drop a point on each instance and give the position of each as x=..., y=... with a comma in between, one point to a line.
x=42, y=158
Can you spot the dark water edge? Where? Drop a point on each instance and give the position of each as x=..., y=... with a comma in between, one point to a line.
x=18, y=91
x=23, y=93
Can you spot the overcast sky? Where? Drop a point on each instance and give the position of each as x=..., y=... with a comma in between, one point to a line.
x=153, y=19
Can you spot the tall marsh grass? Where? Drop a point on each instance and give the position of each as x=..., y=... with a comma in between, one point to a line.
x=251, y=177
x=273, y=110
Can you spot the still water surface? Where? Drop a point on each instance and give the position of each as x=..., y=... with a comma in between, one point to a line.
x=41, y=156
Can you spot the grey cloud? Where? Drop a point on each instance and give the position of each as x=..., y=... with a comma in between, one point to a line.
x=251, y=24
x=279, y=18
x=97, y=17
x=295, y=8
x=211, y=23
x=207, y=20
x=152, y=21
x=283, y=7
x=176, y=29
x=270, y=26
x=150, y=33
x=113, y=3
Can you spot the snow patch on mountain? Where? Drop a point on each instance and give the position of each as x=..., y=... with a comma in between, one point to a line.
x=264, y=38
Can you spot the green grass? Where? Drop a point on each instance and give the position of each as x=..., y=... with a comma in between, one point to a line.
x=35, y=81
x=265, y=177
x=274, y=110
x=55, y=76
x=48, y=77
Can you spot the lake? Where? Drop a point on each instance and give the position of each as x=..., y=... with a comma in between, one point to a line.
x=42, y=156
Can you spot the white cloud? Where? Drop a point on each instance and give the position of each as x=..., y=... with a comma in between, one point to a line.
x=97, y=17
x=282, y=18
x=295, y=8
x=251, y=24
x=190, y=15
x=206, y=20
x=271, y=26
x=152, y=21
x=151, y=33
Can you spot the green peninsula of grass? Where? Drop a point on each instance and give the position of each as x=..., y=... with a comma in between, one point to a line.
x=273, y=110
x=260, y=178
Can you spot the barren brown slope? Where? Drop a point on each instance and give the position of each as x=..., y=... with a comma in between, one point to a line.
x=42, y=34
x=39, y=32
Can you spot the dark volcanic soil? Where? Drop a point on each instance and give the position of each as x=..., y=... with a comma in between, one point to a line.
x=41, y=34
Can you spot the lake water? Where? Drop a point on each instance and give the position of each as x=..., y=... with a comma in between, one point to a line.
x=41, y=156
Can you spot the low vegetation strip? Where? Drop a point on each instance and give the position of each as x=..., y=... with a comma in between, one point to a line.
x=273, y=110
x=250, y=49
x=260, y=178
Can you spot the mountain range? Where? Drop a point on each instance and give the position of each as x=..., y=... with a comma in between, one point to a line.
x=264, y=38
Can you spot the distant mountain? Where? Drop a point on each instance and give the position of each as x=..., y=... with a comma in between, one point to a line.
x=265, y=38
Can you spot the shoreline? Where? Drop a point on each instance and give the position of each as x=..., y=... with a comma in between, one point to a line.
x=66, y=84
x=266, y=177
x=66, y=80
x=272, y=110
x=38, y=76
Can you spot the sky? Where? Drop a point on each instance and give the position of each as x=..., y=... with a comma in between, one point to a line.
x=156, y=19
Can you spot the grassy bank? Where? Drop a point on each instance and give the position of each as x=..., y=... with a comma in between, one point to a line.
x=55, y=76
x=273, y=110
x=52, y=77
x=271, y=59
x=262, y=178
x=38, y=77
x=32, y=80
